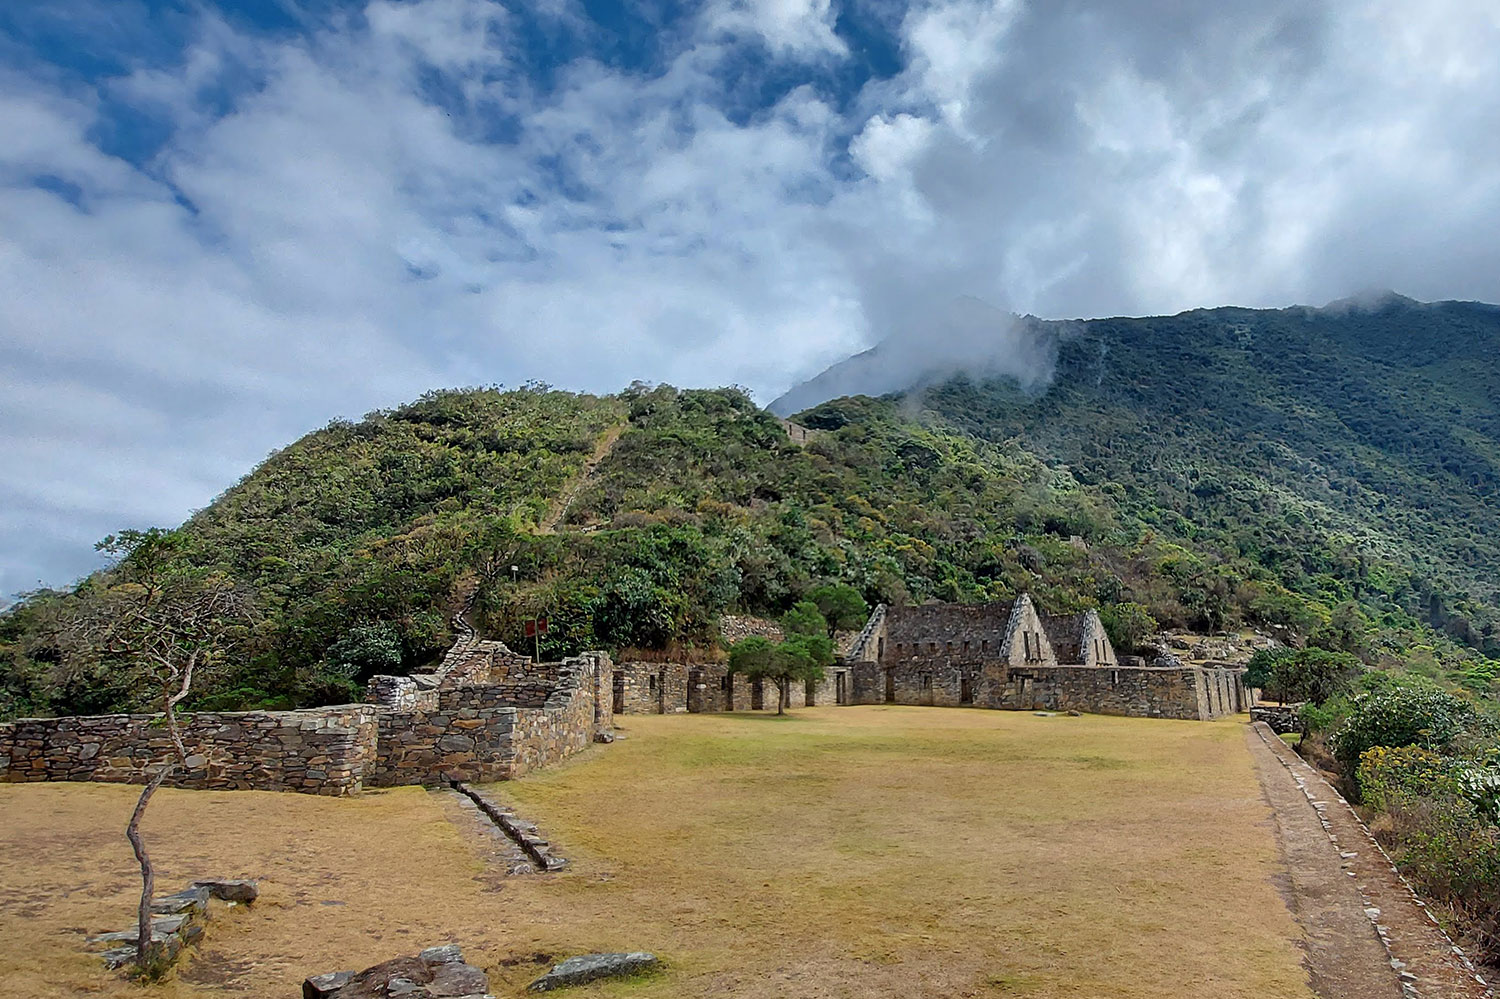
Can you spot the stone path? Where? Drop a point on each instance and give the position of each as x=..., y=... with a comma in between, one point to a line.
x=1368, y=935
x=565, y=501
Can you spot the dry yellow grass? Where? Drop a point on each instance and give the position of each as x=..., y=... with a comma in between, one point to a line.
x=850, y=852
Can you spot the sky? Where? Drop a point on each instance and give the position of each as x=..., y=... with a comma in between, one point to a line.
x=223, y=225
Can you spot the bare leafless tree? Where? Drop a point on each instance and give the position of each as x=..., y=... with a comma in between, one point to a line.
x=162, y=623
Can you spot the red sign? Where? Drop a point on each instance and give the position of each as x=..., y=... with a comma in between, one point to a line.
x=536, y=627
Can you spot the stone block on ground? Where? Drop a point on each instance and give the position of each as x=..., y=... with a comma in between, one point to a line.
x=435, y=973
x=192, y=900
x=230, y=889
x=323, y=986
x=592, y=967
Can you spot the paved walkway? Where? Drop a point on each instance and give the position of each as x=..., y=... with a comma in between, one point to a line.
x=1368, y=935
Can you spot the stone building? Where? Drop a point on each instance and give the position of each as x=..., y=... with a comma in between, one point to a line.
x=998, y=655
x=1011, y=656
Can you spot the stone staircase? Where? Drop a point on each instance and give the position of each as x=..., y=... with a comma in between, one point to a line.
x=863, y=647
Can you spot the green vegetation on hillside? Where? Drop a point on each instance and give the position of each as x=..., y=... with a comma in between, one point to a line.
x=1352, y=455
x=1212, y=470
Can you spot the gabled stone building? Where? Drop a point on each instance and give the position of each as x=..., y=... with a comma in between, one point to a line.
x=1011, y=656
x=998, y=655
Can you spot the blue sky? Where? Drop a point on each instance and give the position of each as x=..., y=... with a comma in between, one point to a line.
x=222, y=225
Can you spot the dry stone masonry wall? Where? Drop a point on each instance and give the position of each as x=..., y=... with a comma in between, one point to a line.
x=320, y=751
x=419, y=734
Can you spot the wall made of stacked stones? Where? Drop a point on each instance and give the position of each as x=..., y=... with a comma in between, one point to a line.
x=577, y=710
x=1143, y=692
x=319, y=751
x=636, y=690
x=467, y=735
x=933, y=628
x=867, y=683
x=936, y=679
x=708, y=688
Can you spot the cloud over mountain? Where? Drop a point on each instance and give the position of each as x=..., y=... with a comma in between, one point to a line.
x=219, y=228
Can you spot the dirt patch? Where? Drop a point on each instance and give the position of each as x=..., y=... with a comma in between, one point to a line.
x=1368, y=934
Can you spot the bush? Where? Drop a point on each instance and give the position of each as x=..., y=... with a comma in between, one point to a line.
x=1128, y=626
x=1440, y=826
x=1409, y=714
x=1314, y=675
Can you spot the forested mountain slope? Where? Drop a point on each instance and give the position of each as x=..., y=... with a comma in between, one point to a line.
x=1354, y=451
x=1331, y=475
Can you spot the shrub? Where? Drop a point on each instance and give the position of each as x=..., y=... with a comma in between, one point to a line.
x=1128, y=626
x=1409, y=714
x=1440, y=826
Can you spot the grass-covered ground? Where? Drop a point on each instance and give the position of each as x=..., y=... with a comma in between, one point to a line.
x=851, y=852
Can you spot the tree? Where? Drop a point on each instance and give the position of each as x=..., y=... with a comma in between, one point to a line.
x=841, y=605
x=159, y=623
x=1311, y=674
x=1128, y=625
x=802, y=655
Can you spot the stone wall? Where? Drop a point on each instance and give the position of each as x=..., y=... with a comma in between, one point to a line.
x=319, y=751
x=418, y=735
x=1187, y=692
x=578, y=709
x=497, y=731
x=651, y=688
x=708, y=688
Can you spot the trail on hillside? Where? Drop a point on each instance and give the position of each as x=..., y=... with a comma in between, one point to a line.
x=581, y=481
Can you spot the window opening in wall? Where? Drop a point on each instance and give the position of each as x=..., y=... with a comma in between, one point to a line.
x=1114, y=676
x=984, y=646
x=880, y=648
x=651, y=682
x=724, y=682
x=926, y=682
x=966, y=650
x=948, y=648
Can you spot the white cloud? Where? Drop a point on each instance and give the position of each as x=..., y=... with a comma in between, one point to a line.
x=340, y=238
x=797, y=28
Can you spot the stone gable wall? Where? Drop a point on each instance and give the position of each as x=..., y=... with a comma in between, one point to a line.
x=319, y=751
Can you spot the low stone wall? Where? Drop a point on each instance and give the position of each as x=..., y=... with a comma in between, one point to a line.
x=1145, y=692
x=416, y=735
x=318, y=751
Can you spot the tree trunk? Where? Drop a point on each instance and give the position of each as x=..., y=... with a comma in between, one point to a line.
x=148, y=874
x=781, y=696
x=133, y=830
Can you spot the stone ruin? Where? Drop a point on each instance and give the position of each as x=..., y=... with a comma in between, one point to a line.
x=485, y=715
x=489, y=714
x=998, y=655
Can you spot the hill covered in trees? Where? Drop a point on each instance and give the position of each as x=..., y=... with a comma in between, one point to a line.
x=1330, y=474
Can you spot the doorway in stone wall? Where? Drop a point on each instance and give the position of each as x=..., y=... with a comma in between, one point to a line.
x=619, y=692
x=840, y=688
x=890, y=686
x=966, y=689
